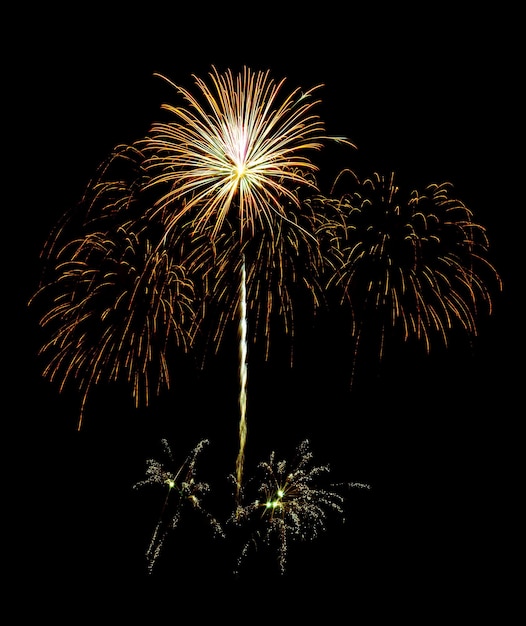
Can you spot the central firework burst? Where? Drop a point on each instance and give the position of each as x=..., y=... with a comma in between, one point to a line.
x=240, y=145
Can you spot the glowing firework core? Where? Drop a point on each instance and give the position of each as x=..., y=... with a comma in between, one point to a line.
x=240, y=153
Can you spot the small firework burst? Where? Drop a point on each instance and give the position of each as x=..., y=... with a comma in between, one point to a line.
x=183, y=490
x=290, y=505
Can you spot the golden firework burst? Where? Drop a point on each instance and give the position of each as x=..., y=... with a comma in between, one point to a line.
x=237, y=146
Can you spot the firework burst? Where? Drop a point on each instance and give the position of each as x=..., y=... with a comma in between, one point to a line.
x=114, y=302
x=183, y=491
x=236, y=145
x=417, y=264
x=291, y=504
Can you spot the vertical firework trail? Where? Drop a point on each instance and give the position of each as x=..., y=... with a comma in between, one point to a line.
x=243, y=375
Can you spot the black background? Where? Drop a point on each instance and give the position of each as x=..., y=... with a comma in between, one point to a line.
x=433, y=94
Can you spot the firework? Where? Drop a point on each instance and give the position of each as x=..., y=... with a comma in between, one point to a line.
x=183, y=491
x=116, y=307
x=417, y=264
x=290, y=504
x=216, y=187
x=114, y=301
x=227, y=168
x=228, y=172
x=235, y=146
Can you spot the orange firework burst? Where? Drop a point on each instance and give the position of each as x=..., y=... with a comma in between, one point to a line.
x=113, y=300
x=419, y=264
x=116, y=306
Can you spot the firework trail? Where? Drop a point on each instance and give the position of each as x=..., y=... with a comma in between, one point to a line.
x=243, y=374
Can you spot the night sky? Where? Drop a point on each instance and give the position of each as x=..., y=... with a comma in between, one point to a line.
x=433, y=97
